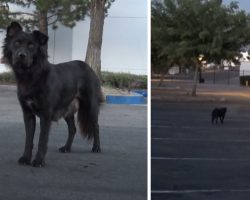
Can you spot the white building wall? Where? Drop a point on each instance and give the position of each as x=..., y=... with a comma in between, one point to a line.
x=60, y=44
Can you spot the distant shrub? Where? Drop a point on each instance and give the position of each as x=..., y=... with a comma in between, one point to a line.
x=115, y=80
x=7, y=77
x=124, y=80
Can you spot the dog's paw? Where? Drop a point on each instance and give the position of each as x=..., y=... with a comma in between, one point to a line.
x=38, y=163
x=64, y=149
x=96, y=149
x=24, y=160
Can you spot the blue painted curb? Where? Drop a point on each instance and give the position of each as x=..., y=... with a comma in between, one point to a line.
x=134, y=99
x=142, y=92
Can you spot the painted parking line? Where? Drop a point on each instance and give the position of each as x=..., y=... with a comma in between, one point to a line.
x=199, y=127
x=199, y=140
x=198, y=159
x=161, y=126
x=197, y=191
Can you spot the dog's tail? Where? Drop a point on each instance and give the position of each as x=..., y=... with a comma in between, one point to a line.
x=101, y=97
x=87, y=116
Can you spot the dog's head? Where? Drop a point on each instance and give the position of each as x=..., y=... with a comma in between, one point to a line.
x=224, y=109
x=22, y=48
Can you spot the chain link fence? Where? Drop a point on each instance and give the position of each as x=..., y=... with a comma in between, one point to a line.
x=211, y=76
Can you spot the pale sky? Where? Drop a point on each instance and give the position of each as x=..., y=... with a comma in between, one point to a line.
x=243, y=4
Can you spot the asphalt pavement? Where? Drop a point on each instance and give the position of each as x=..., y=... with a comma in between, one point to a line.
x=118, y=172
x=195, y=160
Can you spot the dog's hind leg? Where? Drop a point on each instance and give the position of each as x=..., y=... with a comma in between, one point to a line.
x=96, y=144
x=70, y=120
x=216, y=120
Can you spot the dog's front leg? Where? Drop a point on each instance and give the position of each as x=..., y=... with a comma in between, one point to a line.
x=30, y=126
x=45, y=123
x=221, y=119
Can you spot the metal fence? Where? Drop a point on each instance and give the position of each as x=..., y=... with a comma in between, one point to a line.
x=229, y=76
x=217, y=76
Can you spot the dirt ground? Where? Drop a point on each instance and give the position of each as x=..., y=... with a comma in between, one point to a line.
x=181, y=91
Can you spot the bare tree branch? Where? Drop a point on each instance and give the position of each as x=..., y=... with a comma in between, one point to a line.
x=53, y=21
x=52, y=15
x=22, y=13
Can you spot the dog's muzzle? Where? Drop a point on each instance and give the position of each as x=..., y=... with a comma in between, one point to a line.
x=21, y=59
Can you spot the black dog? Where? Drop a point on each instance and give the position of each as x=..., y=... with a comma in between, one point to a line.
x=219, y=113
x=51, y=92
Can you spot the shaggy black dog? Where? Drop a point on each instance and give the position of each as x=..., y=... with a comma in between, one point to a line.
x=219, y=113
x=51, y=92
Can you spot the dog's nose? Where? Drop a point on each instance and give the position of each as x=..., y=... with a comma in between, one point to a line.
x=22, y=55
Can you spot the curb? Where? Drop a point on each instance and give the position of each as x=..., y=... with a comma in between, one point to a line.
x=128, y=100
x=142, y=92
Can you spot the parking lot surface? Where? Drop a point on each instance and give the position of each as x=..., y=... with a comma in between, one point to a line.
x=195, y=160
x=118, y=172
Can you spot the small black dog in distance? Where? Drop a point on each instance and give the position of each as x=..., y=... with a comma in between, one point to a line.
x=51, y=92
x=219, y=113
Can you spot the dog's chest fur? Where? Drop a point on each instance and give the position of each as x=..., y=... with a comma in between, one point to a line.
x=31, y=105
x=35, y=100
x=56, y=113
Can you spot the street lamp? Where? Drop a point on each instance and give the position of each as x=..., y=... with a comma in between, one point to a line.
x=200, y=58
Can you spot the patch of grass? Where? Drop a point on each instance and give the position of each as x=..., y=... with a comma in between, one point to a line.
x=7, y=77
x=124, y=80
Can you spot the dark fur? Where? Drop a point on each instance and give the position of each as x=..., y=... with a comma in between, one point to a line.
x=219, y=113
x=51, y=92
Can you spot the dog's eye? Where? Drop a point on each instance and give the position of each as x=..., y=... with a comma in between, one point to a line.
x=17, y=43
x=31, y=46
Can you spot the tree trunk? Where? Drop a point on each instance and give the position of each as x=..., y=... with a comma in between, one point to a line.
x=93, y=55
x=200, y=74
x=195, y=80
x=162, y=79
x=43, y=26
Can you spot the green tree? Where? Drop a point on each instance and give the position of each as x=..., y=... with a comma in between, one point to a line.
x=41, y=14
x=192, y=28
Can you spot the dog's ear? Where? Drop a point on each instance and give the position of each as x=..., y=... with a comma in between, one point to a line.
x=13, y=28
x=41, y=38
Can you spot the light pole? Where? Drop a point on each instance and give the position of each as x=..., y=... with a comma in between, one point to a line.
x=200, y=58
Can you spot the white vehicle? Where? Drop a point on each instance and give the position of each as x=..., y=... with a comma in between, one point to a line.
x=245, y=68
x=174, y=70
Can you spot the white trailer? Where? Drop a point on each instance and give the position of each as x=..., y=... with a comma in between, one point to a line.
x=245, y=73
x=245, y=68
